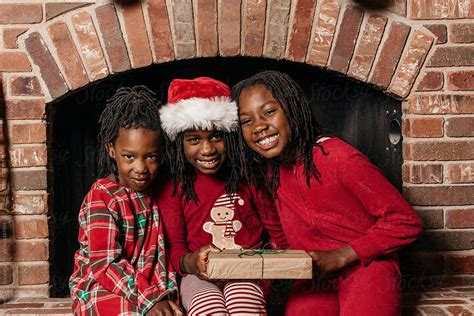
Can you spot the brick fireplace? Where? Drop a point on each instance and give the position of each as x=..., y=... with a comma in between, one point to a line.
x=417, y=51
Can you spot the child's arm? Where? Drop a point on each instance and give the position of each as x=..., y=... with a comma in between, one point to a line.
x=113, y=272
x=396, y=223
x=196, y=262
x=264, y=205
x=165, y=308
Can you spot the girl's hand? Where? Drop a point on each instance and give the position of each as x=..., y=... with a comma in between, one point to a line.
x=196, y=262
x=165, y=308
x=329, y=261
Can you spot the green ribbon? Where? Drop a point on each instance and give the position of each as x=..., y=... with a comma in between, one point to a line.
x=260, y=252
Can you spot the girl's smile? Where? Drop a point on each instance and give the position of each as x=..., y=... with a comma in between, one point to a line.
x=263, y=122
x=204, y=150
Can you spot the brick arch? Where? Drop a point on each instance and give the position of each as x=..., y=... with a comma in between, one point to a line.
x=77, y=48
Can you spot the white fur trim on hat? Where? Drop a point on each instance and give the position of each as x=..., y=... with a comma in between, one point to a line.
x=218, y=113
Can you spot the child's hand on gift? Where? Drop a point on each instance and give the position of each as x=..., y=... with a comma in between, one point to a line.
x=165, y=308
x=330, y=261
x=196, y=262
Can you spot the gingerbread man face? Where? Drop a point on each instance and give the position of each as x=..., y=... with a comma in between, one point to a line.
x=221, y=214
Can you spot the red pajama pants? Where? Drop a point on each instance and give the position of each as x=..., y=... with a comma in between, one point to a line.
x=365, y=291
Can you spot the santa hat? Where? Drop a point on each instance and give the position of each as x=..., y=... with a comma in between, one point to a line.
x=200, y=103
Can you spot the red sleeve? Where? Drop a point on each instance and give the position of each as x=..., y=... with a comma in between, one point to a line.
x=396, y=225
x=264, y=205
x=110, y=269
x=175, y=228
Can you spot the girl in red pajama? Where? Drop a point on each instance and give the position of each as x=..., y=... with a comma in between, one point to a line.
x=206, y=204
x=332, y=202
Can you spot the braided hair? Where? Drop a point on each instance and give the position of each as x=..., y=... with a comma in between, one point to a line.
x=135, y=107
x=184, y=174
x=305, y=131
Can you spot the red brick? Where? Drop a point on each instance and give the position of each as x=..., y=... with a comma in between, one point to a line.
x=253, y=27
x=160, y=30
x=14, y=62
x=452, y=56
x=29, y=179
x=89, y=46
x=462, y=264
x=441, y=104
x=6, y=274
x=432, y=218
x=391, y=51
x=27, y=250
x=24, y=109
x=183, y=25
x=300, y=29
x=28, y=156
x=431, y=81
x=276, y=28
x=205, y=15
x=25, y=86
x=461, y=80
x=27, y=227
x=30, y=203
x=461, y=33
x=10, y=36
x=53, y=10
x=33, y=274
x=459, y=310
x=439, y=150
x=346, y=39
x=20, y=13
x=460, y=218
x=114, y=43
x=423, y=173
x=423, y=127
x=138, y=45
x=410, y=64
x=68, y=55
x=460, y=126
x=7, y=248
x=398, y=6
x=27, y=133
x=439, y=195
x=50, y=73
x=367, y=45
x=460, y=173
x=440, y=31
x=426, y=10
x=229, y=27
x=324, y=28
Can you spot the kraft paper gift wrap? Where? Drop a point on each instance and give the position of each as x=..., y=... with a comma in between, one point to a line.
x=258, y=264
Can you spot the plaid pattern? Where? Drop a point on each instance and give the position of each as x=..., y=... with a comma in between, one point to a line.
x=121, y=267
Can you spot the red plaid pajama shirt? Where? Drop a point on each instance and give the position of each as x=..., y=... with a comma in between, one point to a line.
x=121, y=267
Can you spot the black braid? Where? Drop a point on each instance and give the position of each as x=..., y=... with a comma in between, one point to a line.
x=135, y=107
x=305, y=131
x=184, y=174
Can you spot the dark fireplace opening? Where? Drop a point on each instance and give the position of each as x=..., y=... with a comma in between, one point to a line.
x=363, y=116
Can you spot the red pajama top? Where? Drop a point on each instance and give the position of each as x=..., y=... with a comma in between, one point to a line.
x=186, y=222
x=354, y=204
x=121, y=265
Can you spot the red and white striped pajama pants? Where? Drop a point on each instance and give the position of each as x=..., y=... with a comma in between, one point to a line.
x=202, y=297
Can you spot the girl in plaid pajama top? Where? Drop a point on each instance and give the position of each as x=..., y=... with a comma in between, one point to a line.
x=121, y=267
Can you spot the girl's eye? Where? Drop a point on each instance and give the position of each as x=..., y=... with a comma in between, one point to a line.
x=217, y=137
x=270, y=112
x=153, y=157
x=128, y=157
x=193, y=140
x=244, y=122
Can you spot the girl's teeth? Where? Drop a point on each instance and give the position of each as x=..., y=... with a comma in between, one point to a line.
x=267, y=140
x=207, y=162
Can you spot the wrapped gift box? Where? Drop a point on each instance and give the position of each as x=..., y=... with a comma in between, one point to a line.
x=254, y=264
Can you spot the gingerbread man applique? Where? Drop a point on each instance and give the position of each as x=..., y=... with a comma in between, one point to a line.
x=223, y=228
